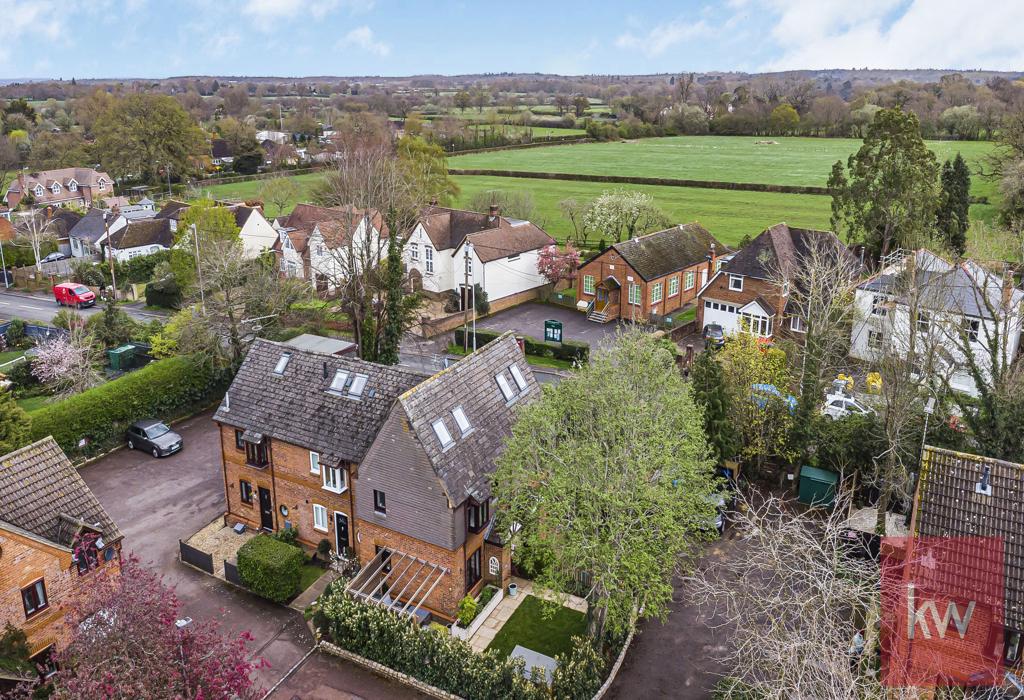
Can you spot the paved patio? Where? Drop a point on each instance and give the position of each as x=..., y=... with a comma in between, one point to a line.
x=220, y=541
x=500, y=615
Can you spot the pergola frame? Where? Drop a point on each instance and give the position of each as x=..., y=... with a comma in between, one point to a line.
x=368, y=582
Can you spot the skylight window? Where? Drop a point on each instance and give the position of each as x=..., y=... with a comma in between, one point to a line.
x=441, y=431
x=460, y=419
x=518, y=376
x=506, y=389
x=338, y=383
x=357, y=385
x=282, y=363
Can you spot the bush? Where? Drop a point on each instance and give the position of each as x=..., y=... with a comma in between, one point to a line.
x=140, y=269
x=21, y=377
x=165, y=293
x=15, y=332
x=68, y=318
x=569, y=350
x=288, y=535
x=467, y=610
x=84, y=272
x=323, y=548
x=485, y=596
x=271, y=568
x=163, y=389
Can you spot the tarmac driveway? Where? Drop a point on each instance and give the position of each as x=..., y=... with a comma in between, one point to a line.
x=156, y=502
x=528, y=319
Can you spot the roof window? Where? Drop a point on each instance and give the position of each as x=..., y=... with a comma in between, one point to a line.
x=506, y=389
x=518, y=376
x=441, y=431
x=460, y=419
x=339, y=382
x=357, y=385
x=282, y=363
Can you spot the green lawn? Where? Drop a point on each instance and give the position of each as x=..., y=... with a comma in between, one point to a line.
x=33, y=403
x=530, y=628
x=251, y=190
x=538, y=131
x=10, y=355
x=310, y=574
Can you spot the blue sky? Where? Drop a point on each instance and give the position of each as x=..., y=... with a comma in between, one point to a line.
x=160, y=38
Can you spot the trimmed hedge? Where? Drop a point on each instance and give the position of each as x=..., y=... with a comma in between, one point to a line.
x=163, y=389
x=570, y=350
x=436, y=657
x=630, y=180
x=271, y=568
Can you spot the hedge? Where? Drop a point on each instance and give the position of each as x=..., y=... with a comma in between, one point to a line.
x=570, y=350
x=630, y=180
x=163, y=389
x=435, y=657
x=271, y=568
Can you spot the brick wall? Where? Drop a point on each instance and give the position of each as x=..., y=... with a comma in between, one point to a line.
x=611, y=264
x=291, y=484
x=752, y=288
x=24, y=561
x=437, y=326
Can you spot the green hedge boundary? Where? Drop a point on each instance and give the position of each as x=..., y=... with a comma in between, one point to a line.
x=164, y=389
x=664, y=181
x=271, y=568
x=570, y=350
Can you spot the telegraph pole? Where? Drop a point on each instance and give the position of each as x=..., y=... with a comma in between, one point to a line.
x=472, y=288
x=465, y=303
x=199, y=268
x=110, y=257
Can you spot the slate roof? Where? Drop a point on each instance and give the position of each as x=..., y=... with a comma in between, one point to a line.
x=780, y=249
x=143, y=232
x=90, y=227
x=219, y=148
x=664, y=252
x=948, y=506
x=172, y=210
x=465, y=468
x=242, y=214
x=510, y=237
x=85, y=177
x=43, y=494
x=295, y=407
x=960, y=288
x=63, y=220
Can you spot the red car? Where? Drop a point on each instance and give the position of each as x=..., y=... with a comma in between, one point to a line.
x=71, y=294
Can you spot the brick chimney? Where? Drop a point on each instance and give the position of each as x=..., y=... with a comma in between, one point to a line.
x=494, y=212
x=711, y=261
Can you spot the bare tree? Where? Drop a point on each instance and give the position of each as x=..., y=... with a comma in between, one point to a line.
x=576, y=211
x=34, y=229
x=794, y=602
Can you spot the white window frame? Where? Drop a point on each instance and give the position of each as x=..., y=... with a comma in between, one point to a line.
x=972, y=327
x=73, y=186
x=320, y=510
x=314, y=462
x=504, y=386
x=673, y=286
x=635, y=298
x=335, y=486
x=517, y=377
x=924, y=322
x=414, y=251
x=735, y=283
x=461, y=420
x=443, y=435
x=691, y=280
x=55, y=188
x=878, y=302
x=657, y=292
x=39, y=190
x=428, y=258
x=338, y=382
x=756, y=325
x=588, y=284
x=796, y=324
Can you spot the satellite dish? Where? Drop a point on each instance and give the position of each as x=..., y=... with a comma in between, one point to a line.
x=257, y=327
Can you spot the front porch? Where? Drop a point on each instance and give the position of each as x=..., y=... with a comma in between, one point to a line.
x=606, y=304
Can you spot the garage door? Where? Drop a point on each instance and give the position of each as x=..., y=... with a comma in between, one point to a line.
x=723, y=314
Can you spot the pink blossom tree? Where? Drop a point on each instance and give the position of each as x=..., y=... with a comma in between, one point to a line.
x=557, y=265
x=125, y=644
x=67, y=363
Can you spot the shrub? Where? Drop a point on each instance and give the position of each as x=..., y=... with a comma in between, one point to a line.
x=164, y=292
x=140, y=269
x=288, y=535
x=570, y=350
x=15, y=332
x=68, y=319
x=271, y=568
x=467, y=610
x=486, y=595
x=84, y=272
x=323, y=548
x=163, y=389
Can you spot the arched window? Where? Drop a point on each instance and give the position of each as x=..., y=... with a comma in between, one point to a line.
x=493, y=566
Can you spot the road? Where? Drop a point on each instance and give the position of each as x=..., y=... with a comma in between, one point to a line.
x=33, y=307
x=156, y=502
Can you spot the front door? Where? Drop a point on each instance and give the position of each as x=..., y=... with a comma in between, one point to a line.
x=340, y=532
x=266, y=510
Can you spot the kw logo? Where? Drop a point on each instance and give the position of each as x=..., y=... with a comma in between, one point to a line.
x=917, y=616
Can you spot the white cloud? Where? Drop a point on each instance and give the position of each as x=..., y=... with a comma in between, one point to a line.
x=894, y=34
x=31, y=20
x=272, y=10
x=363, y=38
x=661, y=37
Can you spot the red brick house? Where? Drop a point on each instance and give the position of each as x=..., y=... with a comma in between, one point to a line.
x=47, y=512
x=389, y=463
x=650, y=275
x=750, y=291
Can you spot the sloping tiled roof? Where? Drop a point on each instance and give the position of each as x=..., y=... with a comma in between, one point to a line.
x=447, y=228
x=509, y=238
x=171, y=210
x=143, y=232
x=664, y=252
x=219, y=148
x=949, y=506
x=62, y=220
x=42, y=493
x=305, y=216
x=90, y=227
x=780, y=249
x=466, y=466
x=85, y=177
x=296, y=407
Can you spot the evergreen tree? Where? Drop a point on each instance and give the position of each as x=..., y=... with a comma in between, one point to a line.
x=391, y=340
x=962, y=178
x=952, y=218
x=14, y=423
x=709, y=392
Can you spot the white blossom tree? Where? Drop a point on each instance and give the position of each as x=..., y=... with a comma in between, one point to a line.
x=623, y=214
x=68, y=364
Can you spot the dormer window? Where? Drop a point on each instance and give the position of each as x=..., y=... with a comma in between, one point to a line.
x=101, y=184
x=461, y=420
x=442, y=433
x=338, y=383
x=282, y=363
x=39, y=190
x=55, y=188
x=517, y=375
x=73, y=186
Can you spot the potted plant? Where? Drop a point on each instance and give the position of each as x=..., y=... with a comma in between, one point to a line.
x=513, y=590
x=323, y=548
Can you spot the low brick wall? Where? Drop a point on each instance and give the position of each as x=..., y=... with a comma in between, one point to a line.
x=387, y=672
x=437, y=326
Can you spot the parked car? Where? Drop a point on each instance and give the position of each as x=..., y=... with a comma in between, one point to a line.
x=154, y=437
x=840, y=406
x=71, y=294
x=713, y=335
x=53, y=257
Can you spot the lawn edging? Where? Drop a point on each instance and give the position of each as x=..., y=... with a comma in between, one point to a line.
x=386, y=671
x=617, y=665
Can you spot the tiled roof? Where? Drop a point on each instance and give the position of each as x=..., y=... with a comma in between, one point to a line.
x=42, y=493
x=296, y=407
x=466, y=466
x=664, y=252
x=780, y=249
x=509, y=238
x=90, y=227
x=85, y=177
x=447, y=228
x=62, y=220
x=172, y=210
x=948, y=505
x=143, y=232
x=219, y=148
